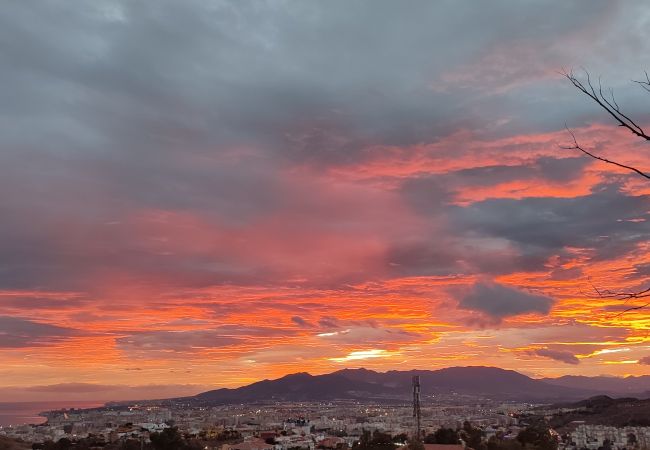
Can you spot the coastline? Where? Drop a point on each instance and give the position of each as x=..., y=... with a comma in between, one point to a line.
x=24, y=413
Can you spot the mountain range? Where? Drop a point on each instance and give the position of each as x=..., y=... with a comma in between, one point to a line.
x=616, y=386
x=368, y=385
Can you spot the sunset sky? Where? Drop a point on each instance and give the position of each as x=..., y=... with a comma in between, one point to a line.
x=205, y=193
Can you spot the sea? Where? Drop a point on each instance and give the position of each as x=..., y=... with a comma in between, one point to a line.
x=21, y=413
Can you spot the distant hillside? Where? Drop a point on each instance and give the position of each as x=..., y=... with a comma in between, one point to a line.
x=632, y=386
x=296, y=387
x=363, y=384
x=604, y=410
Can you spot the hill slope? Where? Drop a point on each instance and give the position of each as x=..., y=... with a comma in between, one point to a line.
x=604, y=410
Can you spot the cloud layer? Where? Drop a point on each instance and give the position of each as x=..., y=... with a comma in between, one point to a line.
x=227, y=188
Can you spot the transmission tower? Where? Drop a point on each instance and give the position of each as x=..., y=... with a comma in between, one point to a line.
x=416, y=406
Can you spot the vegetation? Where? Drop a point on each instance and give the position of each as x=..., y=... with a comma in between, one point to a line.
x=499, y=443
x=401, y=439
x=603, y=410
x=473, y=437
x=443, y=436
x=171, y=439
x=375, y=441
x=11, y=444
x=538, y=437
x=415, y=444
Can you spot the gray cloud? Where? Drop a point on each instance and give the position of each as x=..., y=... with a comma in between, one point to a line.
x=540, y=227
x=184, y=341
x=70, y=388
x=641, y=271
x=645, y=360
x=374, y=336
x=558, y=355
x=559, y=273
x=329, y=322
x=98, y=392
x=301, y=322
x=500, y=235
x=204, y=86
x=543, y=168
x=35, y=303
x=561, y=169
x=177, y=341
x=16, y=332
x=498, y=301
x=113, y=109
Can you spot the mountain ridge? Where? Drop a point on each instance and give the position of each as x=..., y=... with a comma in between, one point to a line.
x=395, y=385
x=630, y=385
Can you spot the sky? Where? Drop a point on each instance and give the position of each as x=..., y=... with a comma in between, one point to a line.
x=203, y=194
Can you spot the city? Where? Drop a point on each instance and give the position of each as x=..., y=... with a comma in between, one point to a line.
x=443, y=421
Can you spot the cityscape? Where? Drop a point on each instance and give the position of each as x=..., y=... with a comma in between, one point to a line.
x=455, y=417
x=325, y=225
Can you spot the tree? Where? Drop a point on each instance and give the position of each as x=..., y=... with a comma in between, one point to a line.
x=415, y=444
x=473, y=437
x=168, y=439
x=376, y=441
x=631, y=440
x=607, y=445
x=63, y=444
x=131, y=444
x=364, y=440
x=538, y=436
x=496, y=443
x=606, y=100
x=442, y=436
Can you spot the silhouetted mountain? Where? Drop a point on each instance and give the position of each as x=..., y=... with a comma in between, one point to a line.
x=295, y=387
x=364, y=384
x=604, y=410
x=634, y=386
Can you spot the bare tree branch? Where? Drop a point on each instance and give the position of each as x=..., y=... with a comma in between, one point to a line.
x=644, y=84
x=610, y=106
x=625, y=296
x=577, y=146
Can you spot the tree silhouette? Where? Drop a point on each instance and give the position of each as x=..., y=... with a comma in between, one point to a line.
x=169, y=439
x=442, y=436
x=606, y=100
